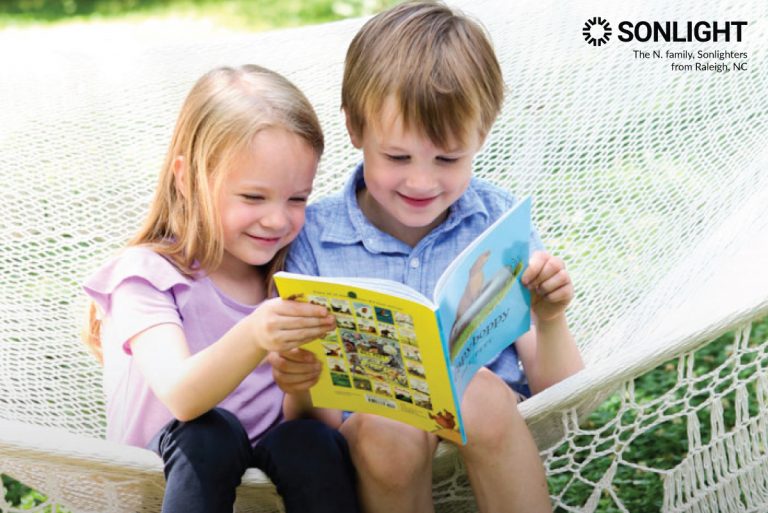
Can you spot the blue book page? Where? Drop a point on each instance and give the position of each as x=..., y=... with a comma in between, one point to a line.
x=482, y=304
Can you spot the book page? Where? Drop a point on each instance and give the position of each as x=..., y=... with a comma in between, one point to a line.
x=384, y=357
x=483, y=306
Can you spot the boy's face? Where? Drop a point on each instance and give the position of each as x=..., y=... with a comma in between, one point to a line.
x=410, y=182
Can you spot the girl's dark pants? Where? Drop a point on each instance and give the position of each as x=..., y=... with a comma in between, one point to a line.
x=205, y=459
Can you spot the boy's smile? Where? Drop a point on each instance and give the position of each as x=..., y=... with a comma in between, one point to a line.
x=409, y=182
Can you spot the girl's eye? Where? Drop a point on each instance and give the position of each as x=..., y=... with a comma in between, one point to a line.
x=399, y=158
x=299, y=199
x=252, y=197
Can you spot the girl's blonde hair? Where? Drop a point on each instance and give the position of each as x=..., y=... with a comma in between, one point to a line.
x=222, y=113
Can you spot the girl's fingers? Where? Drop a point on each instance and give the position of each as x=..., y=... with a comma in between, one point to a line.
x=294, y=378
x=297, y=309
x=297, y=337
x=289, y=324
x=298, y=355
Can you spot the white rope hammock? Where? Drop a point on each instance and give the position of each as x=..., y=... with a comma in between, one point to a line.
x=651, y=183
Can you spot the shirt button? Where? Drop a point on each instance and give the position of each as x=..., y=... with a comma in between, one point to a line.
x=414, y=263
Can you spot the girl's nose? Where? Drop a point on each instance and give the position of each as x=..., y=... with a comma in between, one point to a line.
x=275, y=219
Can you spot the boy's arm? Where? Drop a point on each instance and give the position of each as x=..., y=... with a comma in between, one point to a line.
x=548, y=352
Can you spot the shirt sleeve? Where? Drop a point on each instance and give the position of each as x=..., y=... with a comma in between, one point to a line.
x=136, y=306
x=301, y=258
x=135, y=291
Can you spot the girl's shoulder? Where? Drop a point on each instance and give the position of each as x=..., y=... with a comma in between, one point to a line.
x=136, y=263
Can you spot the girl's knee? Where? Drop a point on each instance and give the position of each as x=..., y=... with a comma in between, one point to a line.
x=213, y=443
x=389, y=451
x=307, y=443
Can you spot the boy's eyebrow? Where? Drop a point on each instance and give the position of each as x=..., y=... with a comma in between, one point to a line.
x=395, y=148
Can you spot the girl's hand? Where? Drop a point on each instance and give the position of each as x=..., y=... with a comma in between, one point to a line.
x=295, y=371
x=280, y=325
x=550, y=285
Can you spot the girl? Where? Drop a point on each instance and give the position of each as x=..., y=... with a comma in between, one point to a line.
x=184, y=317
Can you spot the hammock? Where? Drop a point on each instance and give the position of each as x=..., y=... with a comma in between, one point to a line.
x=651, y=183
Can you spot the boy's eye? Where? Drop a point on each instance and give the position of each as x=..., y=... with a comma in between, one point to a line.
x=398, y=158
x=447, y=160
x=299, y=199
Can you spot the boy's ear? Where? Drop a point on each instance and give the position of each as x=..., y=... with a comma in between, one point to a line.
x=180, y=174
x=353, y=136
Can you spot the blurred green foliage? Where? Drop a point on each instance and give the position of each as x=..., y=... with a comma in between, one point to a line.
x=238, y=14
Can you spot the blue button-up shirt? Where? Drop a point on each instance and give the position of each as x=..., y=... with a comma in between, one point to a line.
x=338, y=240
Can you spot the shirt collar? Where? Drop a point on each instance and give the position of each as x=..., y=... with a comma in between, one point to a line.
x=358, y=229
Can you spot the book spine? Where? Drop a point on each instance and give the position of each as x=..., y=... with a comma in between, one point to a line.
x=451, y=378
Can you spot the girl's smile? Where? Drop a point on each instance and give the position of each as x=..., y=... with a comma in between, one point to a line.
x=263, y=196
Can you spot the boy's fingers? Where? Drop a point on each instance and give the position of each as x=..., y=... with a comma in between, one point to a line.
x=549, y=267
x=535, y=264
x=562, y=295
x=554, y=282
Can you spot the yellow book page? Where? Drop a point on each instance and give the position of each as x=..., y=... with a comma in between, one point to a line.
x=384, y=357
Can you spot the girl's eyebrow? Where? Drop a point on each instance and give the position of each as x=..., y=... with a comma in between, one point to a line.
x=260, y=187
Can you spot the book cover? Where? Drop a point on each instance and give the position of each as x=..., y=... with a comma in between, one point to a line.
x=398, y=354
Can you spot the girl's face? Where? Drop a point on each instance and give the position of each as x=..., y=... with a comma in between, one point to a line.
x=263, y=196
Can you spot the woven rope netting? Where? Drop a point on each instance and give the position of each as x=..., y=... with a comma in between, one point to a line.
x=651, y=183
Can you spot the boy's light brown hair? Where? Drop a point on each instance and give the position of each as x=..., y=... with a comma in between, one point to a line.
x=436, y=63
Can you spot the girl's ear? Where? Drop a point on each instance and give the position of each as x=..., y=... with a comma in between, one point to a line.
x=353, y=137
x=180, y=174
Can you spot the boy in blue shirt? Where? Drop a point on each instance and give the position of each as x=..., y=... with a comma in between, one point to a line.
x=421, y=90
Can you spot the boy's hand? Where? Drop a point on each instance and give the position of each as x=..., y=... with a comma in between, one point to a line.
x=279, y=325
x=295, y=371
x=550, y=285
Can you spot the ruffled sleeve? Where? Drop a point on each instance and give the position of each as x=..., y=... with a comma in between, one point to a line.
x=134, y=291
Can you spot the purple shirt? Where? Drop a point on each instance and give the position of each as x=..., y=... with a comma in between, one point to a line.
x=139, y=289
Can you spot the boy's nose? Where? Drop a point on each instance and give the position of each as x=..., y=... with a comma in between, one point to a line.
x=421, y=180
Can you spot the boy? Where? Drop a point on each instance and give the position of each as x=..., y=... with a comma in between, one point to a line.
x=421, y=90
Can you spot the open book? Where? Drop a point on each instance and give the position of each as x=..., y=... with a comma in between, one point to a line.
x=399, y=354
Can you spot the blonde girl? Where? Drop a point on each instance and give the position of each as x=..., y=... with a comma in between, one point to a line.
x=184, y=317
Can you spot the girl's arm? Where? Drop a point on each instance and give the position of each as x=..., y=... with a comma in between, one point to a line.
x=190, y=385
x=295, y=372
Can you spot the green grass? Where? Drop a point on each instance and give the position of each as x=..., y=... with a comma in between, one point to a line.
x=665, y=444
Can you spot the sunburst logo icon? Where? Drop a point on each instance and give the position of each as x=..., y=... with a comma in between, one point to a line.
x=597, y=31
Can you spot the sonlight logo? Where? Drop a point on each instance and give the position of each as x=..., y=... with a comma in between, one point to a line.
x=668, y=31
x=597, y=31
